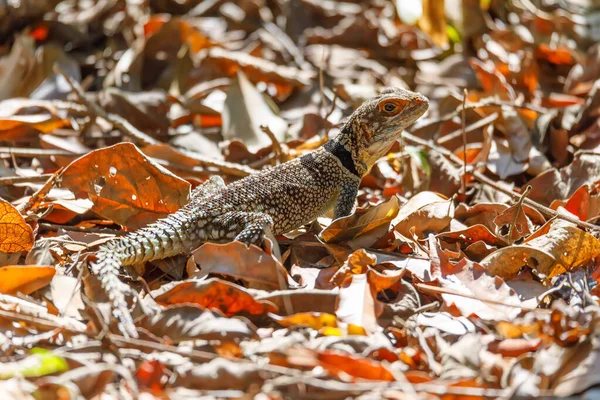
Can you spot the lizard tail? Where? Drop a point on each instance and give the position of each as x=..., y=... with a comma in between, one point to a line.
x=110, y=260
x=166, y=237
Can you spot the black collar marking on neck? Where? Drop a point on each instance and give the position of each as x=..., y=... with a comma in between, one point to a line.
x=343, y=155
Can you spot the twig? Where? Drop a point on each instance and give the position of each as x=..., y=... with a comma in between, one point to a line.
x=11, y=180
x=55, y=227
x=276, y=145
x=464, y=140
x=141, y=138
x=39, y=195
x=332, y=109
x=481, y=104
x=519, y=205
x=483, y=122
x=440, y=290
x=487, y=181
x=31, y=153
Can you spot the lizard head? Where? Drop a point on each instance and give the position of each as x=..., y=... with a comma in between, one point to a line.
x=379, y=122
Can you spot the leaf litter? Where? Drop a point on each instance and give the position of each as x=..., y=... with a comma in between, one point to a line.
x=469, y=268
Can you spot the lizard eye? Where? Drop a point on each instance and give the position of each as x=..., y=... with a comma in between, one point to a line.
x=391, y=107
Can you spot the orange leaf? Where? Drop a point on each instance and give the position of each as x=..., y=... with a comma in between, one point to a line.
x=125, y=185
x=230, y=299
x=15, y=234
x=357, y=367
x=24, y=279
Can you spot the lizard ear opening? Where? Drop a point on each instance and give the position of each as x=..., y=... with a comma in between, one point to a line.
x=391, y=107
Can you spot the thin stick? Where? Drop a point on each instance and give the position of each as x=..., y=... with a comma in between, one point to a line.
x=277, y=149
x=482, y=104
x=11, y=180
x=487, y=181
x=55, y=227
x=32, y=153
x=39, y=195
x=519, y=205
x=464, y=140
x=440, y=290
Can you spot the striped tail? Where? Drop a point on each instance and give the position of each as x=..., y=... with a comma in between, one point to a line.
x=177, y=233
x=107, y=270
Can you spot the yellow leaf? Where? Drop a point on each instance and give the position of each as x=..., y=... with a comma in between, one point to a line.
x=25, y=279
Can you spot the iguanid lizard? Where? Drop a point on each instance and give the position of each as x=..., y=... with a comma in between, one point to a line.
x=275, y=200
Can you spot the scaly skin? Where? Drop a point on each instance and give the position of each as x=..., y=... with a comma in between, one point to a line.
x=274, y=200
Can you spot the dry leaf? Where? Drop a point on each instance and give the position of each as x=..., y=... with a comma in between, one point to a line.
x=125, y=185
x=15, y=234
x=226, y=297
x=24, y=279
x=235, y=259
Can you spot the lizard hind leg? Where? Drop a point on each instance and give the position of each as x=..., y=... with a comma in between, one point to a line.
x=247, y=227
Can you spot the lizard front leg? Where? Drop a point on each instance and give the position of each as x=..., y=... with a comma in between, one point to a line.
x=346, y=200
x=246, y=227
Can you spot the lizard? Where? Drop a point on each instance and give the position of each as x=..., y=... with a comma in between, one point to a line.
x=275, y=200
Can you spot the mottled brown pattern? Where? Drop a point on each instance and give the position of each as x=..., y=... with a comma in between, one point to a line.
x=278, y=199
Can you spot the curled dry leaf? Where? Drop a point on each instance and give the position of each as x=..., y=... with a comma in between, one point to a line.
x=361, y=222
x=556, y=248
x=125, y=185
x=472, y=234
x=15, y=234
x=25, y=279
x=216, y=294
x=356, y=264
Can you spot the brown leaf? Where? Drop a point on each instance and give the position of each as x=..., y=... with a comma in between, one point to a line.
x=24, y=279
x=472, y=234
x=426, y=211
x=570, y=246
x=226, y=297
x=15, y=234
x=562, y=184
x=284, y=78
x=516, y=222
x=125, y=186
x=235, y=259
x=356, y=264
x=508, y=261
x=189, y=322
x=471, y=279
